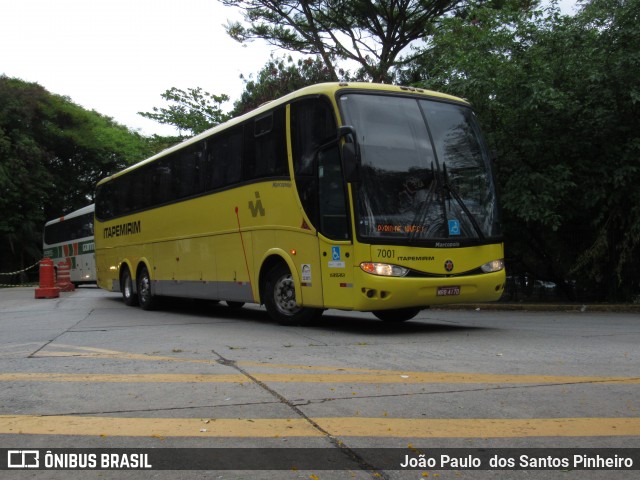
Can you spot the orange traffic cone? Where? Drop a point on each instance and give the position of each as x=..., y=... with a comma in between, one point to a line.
x=64, y=276
x=47, y=288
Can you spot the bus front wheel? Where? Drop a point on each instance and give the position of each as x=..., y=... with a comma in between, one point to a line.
x=126, y=285
x=145, y=298
x=280, y=298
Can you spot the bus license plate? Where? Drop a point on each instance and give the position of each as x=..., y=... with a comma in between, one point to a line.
x=448, y=291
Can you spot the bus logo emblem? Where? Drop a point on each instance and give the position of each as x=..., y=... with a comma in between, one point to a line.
x=256, y=208
x=448, y=265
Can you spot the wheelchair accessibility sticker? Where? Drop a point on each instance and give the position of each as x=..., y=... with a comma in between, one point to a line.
x=336, y=255
x=454, y=227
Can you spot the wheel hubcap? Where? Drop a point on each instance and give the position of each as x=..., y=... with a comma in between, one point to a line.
x=127, y=287
x=144, y=287
x=285, y=296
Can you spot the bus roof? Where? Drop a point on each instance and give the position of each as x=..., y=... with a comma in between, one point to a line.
x=321, y=88
x=75, y=213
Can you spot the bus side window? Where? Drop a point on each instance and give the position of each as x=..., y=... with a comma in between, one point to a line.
x=87, y=228
x=199, y=169
x=104, y=204
x=177, y=175
x=141, y=189
x=266, y=153
x=186, y=168
x=161, y=182
x=122, y=194
x=225, y=156
x=213, y=160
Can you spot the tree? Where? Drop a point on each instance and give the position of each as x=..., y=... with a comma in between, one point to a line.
x=375, y=34
x=193, y=110
x=278, y=77
x=52, y=153
x=560, y=98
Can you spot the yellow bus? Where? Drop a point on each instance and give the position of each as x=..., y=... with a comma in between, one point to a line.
x=350, y=196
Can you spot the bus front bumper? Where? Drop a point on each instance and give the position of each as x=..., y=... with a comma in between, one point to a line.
x=384, y=293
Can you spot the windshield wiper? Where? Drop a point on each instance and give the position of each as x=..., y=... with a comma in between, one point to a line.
x=421, y=214
x=454, y=193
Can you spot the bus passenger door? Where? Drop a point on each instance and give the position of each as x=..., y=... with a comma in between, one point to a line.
x=336, y=249
x=337, y=273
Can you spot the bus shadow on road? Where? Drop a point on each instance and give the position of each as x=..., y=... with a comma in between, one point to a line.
x=427, y=322
x=347, y=323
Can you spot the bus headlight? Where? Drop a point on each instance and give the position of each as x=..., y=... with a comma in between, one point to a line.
x=494, y=266
x=384, y=269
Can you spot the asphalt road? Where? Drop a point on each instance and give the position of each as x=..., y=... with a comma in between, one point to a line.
x=85, y=371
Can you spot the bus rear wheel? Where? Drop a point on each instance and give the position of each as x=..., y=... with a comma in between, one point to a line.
x=280, y=298
x=397, y=315
x=145, y=298
x=126, y=285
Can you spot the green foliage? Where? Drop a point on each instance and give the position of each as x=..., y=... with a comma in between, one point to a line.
x=193, y=111
x=559, y=97
x=278, y=77
x=375, y=34
x=52, y=152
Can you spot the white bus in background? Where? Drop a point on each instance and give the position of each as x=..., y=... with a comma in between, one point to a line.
x=71, y=237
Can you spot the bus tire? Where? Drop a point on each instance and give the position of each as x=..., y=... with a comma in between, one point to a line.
x=126, y=286
x=397, y=315
x=280, y=298
x=145, y=298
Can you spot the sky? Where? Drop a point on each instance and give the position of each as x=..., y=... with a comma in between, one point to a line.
x=118, y=56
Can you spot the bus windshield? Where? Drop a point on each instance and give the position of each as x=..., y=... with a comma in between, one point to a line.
x=425, y=173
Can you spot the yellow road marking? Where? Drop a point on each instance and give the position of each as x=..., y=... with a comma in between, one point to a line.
x=339, y=427
x=341, y=374
x=270, y=428
x=122, y=378
x=384, y=378
x=89, y=352
x=482, y=427
x=155, y=427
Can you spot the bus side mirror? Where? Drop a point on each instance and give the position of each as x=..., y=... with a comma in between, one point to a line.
x=350, y=153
